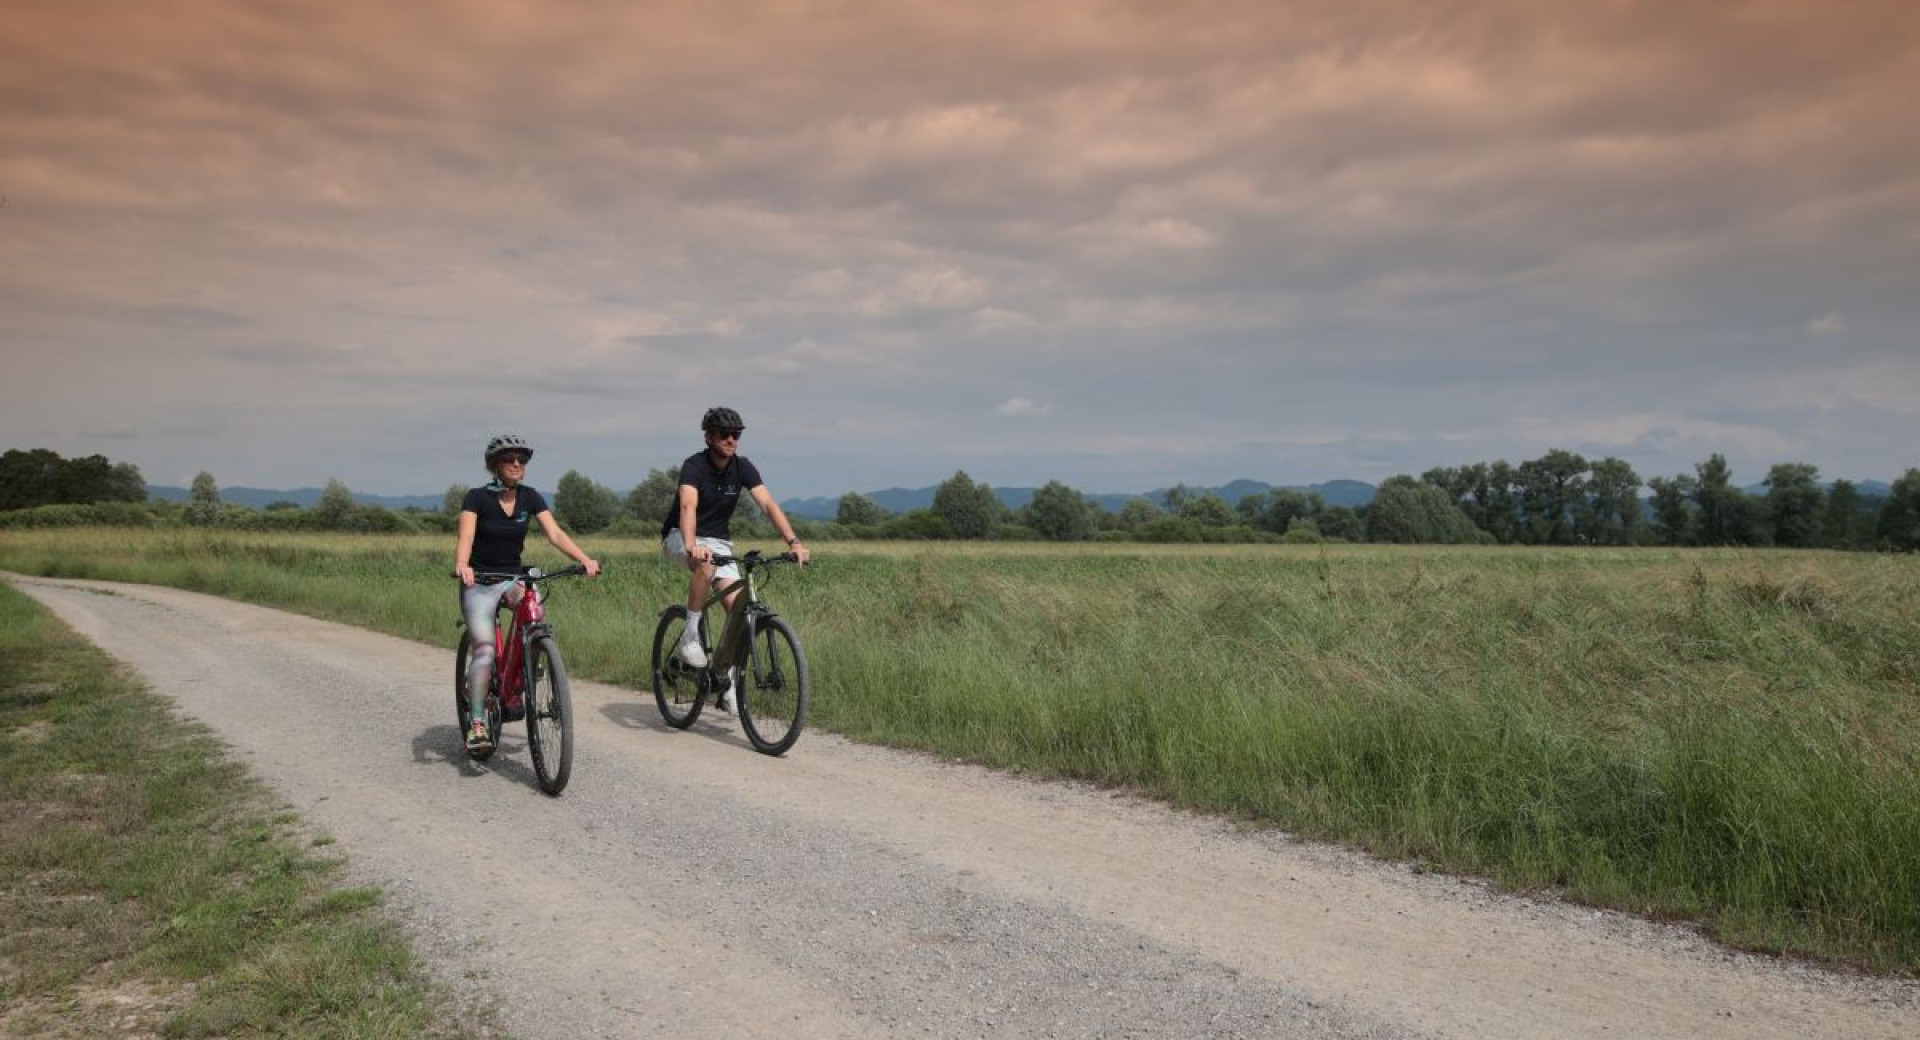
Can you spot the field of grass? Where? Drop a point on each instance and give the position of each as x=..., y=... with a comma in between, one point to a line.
x=148, y=888
x=1727, y=737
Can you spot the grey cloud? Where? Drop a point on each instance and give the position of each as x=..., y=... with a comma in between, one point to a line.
x=195, y=431
x=1828, y=324
x=184, y=317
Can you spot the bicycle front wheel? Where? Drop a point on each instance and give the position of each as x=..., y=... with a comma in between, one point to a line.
x=774, y=688
x=677, y=689
x=549, y=716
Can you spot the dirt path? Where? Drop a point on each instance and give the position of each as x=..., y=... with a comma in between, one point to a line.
x=687, y=887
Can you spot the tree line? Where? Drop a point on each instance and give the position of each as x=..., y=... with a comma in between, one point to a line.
x=40, y=489
x=1563, y=499
x=1560, y=498
x=42, y=478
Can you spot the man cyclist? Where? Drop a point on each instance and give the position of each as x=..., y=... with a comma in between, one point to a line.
x=493, y=530
x=698, y=524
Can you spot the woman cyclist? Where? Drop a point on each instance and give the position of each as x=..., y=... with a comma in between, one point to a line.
x=698, y=523
x=493, y=529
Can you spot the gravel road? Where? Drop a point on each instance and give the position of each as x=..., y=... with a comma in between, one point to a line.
x=687, y=887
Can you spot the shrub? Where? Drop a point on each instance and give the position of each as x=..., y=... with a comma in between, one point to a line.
x=91, y=514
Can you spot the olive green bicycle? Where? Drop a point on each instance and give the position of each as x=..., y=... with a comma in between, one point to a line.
x=758, y=658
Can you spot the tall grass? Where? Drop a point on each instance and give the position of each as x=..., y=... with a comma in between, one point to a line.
x=1725, y=737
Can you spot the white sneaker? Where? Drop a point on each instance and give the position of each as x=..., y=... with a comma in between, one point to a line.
x=691, y=655
x=725, y=701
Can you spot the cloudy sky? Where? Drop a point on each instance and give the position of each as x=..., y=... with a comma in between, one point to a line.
x=1121, y=244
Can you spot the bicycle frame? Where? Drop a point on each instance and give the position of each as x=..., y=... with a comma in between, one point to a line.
x=527, y=623
x=734, y=645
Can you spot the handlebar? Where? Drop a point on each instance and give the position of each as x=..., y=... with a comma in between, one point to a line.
x=753, y=559
x=532, y=575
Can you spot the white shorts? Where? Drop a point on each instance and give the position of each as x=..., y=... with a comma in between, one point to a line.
x=676, y=550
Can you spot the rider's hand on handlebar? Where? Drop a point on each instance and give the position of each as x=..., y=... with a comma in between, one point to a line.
x=465, y=574
x=592, y=566
x=698, y=555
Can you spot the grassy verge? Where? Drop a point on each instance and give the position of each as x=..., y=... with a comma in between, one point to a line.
x=149, y=888
x=1731, y=738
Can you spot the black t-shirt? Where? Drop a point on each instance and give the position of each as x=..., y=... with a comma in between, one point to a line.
x=719, y=494
x=497, y=537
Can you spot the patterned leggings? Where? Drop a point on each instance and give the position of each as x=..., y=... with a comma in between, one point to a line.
x=480, y=604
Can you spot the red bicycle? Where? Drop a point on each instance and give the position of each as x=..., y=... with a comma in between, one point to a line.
x=529, y=681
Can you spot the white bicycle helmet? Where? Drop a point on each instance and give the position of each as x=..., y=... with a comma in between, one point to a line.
x=507, y=442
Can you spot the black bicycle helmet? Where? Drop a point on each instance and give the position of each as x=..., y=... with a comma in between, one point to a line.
x=722, y=419
x=507, y=442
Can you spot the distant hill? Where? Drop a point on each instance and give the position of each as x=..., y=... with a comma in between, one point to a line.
x=305, y=498
x=1350, y=493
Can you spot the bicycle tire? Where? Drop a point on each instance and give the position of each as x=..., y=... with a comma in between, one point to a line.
x=549, y=716
x=462, y=712
x=678, y=691
x=775, y=687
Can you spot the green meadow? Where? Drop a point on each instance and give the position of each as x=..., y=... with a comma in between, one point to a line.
x=1728, y=737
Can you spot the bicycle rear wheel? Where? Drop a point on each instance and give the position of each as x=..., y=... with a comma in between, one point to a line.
x=774, y=688
x=677, y=689
x=461, y=655
x=549, y=716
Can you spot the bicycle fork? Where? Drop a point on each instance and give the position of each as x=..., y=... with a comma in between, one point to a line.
x=764, y=674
